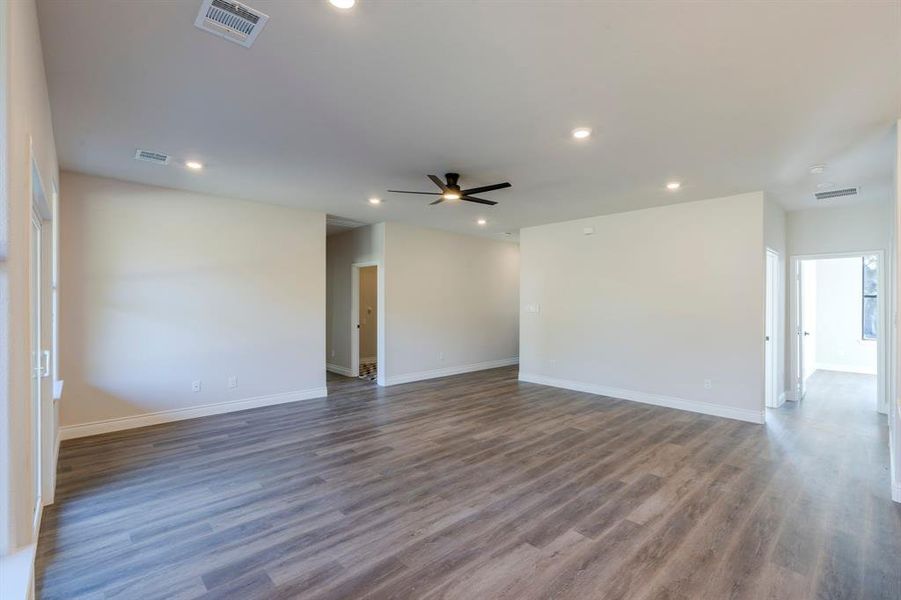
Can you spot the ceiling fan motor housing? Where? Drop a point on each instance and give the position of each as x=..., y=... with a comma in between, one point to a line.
x=451, y=190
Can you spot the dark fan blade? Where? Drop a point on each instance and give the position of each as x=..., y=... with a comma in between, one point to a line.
x=423, y=193
x=479, y=200
x=438, y=201
x=437, y=181
x=487, y=188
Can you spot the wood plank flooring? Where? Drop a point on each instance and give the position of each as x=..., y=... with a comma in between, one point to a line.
x=481, y=487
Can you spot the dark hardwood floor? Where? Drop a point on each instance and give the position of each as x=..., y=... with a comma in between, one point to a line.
x=479, y=487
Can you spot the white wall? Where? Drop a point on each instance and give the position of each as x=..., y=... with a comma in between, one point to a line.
x=164, y=287
x=827, y=230
x=25, y=117
x=650, y=305
x=363, y=244
x=893, y=283
x=451, y=302
x=840, y=346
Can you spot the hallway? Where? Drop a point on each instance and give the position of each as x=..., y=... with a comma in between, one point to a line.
x=837, y=444
x=846, y=400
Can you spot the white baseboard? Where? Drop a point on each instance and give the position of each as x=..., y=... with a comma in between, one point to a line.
x=446, y=371
x=896, y=491
x=166, y=416
x=845, y=368
x=339, y=370
x=791, y=396
x=707, y=408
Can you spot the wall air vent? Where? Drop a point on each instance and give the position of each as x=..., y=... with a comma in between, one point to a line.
x=154, y=157
x=232, y=20
x=836, y=193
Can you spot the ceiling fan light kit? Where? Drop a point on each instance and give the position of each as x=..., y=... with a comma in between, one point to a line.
x=450, y=190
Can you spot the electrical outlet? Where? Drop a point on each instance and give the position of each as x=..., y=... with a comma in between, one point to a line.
x=333, y=353
x=708, y=384
x=195, y=386
x=232, y=382
x=441, y=356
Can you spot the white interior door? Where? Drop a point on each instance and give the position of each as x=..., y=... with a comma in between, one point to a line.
x=37, y=357
x=770, y=337
x=808, y=322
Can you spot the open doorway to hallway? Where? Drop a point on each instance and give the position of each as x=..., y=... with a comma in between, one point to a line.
x=838, y=319
x=355, y=292
x=839, y=368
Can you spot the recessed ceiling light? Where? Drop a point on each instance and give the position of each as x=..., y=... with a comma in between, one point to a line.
x=194, y=165
x=817, y=169
x=451, y=196
x=375, y=200
x=673, y=186
x=343, y=4
x=482, y=221
x=580, y=133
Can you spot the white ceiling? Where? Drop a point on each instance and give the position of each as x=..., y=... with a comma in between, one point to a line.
x=330, y=107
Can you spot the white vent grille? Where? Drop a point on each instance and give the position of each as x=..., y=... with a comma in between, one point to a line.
x=836, y=193
x=233, y=21
x=154, y=157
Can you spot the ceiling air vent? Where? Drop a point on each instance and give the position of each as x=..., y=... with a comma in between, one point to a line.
x=232, y=20
x=154, y=157
x=836, y=193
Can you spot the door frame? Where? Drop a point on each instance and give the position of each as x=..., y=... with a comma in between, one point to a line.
x=355, y=319
x=35, y=355
x=45, y=422
x=773, y=289
x=882, y=369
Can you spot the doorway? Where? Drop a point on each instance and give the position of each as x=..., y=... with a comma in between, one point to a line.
x=838, y=316
x=364, y=351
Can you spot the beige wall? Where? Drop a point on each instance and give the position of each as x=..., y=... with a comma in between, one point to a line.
x=369, y=316
x=26, y=117
x=363, y=244
x=650, y=305
x=451, y=302
x=164, y=287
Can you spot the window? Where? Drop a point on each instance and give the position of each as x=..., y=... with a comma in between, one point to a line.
x=870, y=285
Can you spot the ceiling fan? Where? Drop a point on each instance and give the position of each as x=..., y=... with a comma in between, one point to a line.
x=451, y=190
